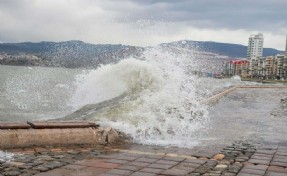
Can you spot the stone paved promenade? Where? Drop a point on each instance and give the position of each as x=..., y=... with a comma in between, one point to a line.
x=240, y=159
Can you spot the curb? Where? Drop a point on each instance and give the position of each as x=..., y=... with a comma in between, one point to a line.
x=19, y=135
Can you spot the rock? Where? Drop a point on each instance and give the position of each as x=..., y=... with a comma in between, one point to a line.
x=234, y=168
x=31, y=171
x=12, y=173
x=54, y=165
x=221, y=166
x=112, y=136
x=41, y=168
x=24, y=167
x=219, y=156
x=16, y=163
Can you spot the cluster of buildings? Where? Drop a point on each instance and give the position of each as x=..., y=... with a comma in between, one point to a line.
x=257, y=66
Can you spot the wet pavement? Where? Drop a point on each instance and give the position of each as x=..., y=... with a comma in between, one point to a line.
x=254, y=115
x=240, y=158
x=246, y=136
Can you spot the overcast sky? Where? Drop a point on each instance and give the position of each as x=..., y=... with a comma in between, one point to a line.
x=143, y=22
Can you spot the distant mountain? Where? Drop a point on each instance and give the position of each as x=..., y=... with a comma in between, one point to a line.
x=74, y=54
x=68, y=54
x=226, y=49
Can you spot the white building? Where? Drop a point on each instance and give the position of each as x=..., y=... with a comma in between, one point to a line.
x=255, y=46
x=286, y=47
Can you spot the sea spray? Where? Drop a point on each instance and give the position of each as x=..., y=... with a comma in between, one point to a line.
x=5, y=156
x=161, y=105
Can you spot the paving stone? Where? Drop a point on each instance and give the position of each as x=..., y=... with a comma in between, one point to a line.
x=160, y=166
x=74, y=167
x=24, y=167
x=54, y=165
x=154, y=156
x=187, y=166
x=24, y=174
x=146, y=160
x=263, y=155
x=271, y=152
x=211, y=174
x=268, y=147
x=260, y=157
x=178, y=159
x=142, y=174
x=141, y=164
x=31, y=171
x=193, y=174
x=128, y=158
x=275, y=174
x=204, y=154
x=282, y=153
x=240, y=159
x=91, y=171
x=201, y=170
x=228, y=174
x=263, y=162
x=277, y=159
x=244, y=174
x=234, y=168
x=277, y=169
x=12, y=173
x=41, y=168
x=117, y=161
x=174, y=171
x=251, y=171
x=119, y=172
x=97, y=163
x=278, y=164
x=105, y=174
x=256, y=167
x=167, y=162
x=103, y=156
x=211, y=163
x=129, y=167
x=195, y=161
x=152, y=170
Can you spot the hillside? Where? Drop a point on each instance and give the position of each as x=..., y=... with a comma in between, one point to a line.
x=226, y=49
x=74, y=54
x=68, y=54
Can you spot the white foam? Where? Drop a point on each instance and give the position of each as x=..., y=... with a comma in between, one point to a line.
x=110, y=81
x=5, y=156
x=161, y=106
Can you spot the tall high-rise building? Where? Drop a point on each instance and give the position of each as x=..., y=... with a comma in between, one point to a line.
x=255, y=46
x=286, y=47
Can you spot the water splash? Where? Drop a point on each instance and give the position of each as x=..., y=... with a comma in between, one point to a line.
x=5, y=156
x=161, y=105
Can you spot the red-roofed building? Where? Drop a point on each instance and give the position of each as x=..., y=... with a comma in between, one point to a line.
x=237, y=67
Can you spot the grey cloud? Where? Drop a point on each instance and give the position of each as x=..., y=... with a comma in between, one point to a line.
x=125, y=21
x=231, y=14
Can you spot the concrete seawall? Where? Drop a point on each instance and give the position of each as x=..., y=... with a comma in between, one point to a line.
x=50, y=135
x=218, y=96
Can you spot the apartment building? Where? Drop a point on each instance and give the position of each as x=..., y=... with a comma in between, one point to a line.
x=255, y=46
